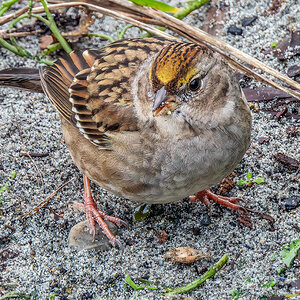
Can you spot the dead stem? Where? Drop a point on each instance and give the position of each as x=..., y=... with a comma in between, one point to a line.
x=5, y=34
x=45, y=201
x=139, y=16
x=24, y=149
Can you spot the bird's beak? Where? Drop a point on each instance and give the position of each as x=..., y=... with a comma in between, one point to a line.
x=159, y=98
x=163, y=104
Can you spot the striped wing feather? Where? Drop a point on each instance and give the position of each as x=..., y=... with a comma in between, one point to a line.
x=92, y=89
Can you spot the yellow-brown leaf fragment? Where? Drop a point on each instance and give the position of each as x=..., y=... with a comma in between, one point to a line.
x=185, y=255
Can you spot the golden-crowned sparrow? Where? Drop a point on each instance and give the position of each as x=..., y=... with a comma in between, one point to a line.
x=151, y=120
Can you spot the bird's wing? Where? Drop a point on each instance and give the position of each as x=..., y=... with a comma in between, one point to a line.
x=92, y=89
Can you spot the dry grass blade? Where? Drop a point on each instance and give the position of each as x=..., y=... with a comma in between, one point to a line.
x=109, y=12
x=5, y=34
x=26, y=152
x=142, y=16
x=43, y=203
x=199, y=36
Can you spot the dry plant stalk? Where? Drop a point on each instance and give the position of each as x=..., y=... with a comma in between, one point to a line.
x=5, y=34
x=142, y=16
x=45, y=201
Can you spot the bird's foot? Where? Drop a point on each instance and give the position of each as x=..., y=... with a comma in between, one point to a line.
x=94, y=215
x=232, y=203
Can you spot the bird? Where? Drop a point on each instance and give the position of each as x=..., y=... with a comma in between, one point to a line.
x=151, y=120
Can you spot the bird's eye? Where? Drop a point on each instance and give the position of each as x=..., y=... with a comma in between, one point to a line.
x=195, y=84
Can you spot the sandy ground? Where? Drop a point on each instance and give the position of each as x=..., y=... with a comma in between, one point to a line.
x=35, y=258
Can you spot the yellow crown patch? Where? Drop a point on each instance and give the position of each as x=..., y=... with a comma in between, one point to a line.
x=174, y=66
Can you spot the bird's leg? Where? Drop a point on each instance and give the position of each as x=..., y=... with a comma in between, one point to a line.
x=94, y=215
x=232, y=203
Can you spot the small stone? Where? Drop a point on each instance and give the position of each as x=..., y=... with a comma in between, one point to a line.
x=293, y=71
x=263, y=139
x=81, y=239
x=248, y=21
x=196, y=231
x=162, y=236
x=205, y=220
x=234, y=30
x=292, y=202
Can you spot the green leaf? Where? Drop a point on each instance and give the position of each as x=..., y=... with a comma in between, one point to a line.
x=52, y=296
x=157, y=5
x=3, y=188
x=139, y=287
x=132, y=284
x=249, y=176
x=247, y=280
x=196, y=283
x=280, y=271
x=289, y=252
x=13, y=175
x=259, y=180
x=141, y=212
x=241, y=182
x=236, y=294
x=15, y=295
x=274, y=44
x=269, y=284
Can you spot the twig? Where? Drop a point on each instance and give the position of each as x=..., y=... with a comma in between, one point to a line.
x=10, y=17
x=52, y=26
x=24, y=148
x=43, y=203
x=5, y=34
x=35, y=154
x=19, y=50
x=131, y=13
x=193, y=34
x=184, y=11
x=10, y=227
x=201, y=36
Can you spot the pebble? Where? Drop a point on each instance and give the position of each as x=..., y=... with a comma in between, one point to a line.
x=205, y=220
x=232, y=29
x=293, y=71
x=248, y=21
x=292, y=202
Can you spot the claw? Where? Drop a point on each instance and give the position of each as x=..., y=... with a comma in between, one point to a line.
x=232, y=203
x=115, y=242
x=94, y=215
x=123, y=223
x=235, y=200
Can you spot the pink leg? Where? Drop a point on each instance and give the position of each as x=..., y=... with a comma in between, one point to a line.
x=94, y=215
x=232, y=203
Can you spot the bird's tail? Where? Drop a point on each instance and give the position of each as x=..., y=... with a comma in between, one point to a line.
x=21, y=78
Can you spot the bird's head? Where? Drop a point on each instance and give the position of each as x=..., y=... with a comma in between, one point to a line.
x=192, y=82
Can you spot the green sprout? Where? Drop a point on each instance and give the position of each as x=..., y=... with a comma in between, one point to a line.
x=274, y=44
x=249, y=180
x=269, y=284
x=4, y=187
x=236, y=294
x=14, y=47
x=182, y=289
x=15, y=295
x=289, y=252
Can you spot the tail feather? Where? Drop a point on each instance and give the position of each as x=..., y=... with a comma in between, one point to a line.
x=22, y=78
